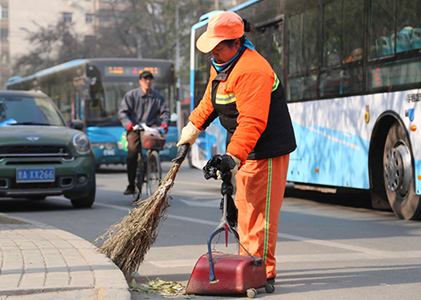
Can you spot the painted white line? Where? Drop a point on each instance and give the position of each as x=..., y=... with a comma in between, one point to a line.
x=126, y=209
x=364, y=250
x=195, y=183
x=201, y=203
x=198, y=193
x=371, y=252
x=301, y=258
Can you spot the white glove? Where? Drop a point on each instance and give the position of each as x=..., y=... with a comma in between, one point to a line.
x=137, y=127
x=189, y=134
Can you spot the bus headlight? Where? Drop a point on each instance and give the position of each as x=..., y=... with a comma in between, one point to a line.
x=81, y=143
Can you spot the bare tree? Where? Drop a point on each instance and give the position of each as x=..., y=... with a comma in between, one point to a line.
x=126, y=28
x=51, y=45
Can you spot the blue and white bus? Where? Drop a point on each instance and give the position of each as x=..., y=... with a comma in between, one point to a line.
x=90, y=90
x=352, y=76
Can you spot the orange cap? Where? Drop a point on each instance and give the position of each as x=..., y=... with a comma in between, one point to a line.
x=223, y=26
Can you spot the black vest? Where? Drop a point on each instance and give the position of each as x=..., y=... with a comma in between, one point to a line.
x=277, y=139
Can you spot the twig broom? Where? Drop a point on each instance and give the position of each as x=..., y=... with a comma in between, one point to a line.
x=127, y=242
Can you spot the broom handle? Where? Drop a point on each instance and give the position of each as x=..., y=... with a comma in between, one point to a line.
x=181, y=154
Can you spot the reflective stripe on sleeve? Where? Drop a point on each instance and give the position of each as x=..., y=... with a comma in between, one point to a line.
x=276, y=83
x=225, y=98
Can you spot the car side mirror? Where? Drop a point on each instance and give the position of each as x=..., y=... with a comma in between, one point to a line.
x=77, y=124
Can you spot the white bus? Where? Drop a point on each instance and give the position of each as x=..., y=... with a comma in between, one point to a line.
x=352, y=77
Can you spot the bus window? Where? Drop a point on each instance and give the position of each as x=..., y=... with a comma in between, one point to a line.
x=95, y=105
x=353, y=34
x=343, y=38
x=392, y=74
x=271, y=37
x=311, y=19
x=201, y=74
x=381, y=28
x=58, y=89
x=295, y=63
x=408, y=25
x=403, y=70
x=332, y=27
x=303, y=61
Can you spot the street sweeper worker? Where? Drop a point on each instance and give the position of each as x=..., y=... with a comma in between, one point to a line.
x=143, y=105
x=248, y=97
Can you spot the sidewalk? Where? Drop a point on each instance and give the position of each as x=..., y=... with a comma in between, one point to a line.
x=41, y=262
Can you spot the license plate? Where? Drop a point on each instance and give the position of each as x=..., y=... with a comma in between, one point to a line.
x=109, y=152
x=35, y=175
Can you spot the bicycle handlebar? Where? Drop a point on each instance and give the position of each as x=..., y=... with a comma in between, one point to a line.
x=143, y=127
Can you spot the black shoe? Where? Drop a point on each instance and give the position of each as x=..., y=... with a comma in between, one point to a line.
x=271, y=280
x=130, y=190
x=270, y=285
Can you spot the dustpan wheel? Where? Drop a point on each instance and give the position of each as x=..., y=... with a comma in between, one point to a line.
x=251, y=293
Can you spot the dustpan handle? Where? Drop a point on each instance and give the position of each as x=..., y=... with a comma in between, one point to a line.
x=211, y=266
x=221, y=227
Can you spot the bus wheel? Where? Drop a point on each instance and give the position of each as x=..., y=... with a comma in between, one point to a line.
x=398, y=175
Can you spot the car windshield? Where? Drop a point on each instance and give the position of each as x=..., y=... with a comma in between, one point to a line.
x=27, y=110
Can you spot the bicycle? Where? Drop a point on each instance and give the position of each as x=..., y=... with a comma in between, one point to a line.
x=149, y=170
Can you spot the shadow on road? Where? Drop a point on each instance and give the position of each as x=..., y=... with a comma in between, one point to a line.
x=350, y=277
x=345, y=197
x=313, y=280
x=26, y=205
x=111, y=170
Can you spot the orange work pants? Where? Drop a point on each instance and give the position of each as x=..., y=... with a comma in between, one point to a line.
x=260, y=191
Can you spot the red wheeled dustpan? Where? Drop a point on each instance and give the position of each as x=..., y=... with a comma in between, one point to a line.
x=217, y=273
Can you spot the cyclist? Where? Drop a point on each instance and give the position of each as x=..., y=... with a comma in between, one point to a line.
x=143, y=105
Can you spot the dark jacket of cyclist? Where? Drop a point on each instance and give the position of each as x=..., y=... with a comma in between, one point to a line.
x=141, y=105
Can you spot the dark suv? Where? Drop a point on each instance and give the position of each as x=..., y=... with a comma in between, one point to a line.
x=39, y=155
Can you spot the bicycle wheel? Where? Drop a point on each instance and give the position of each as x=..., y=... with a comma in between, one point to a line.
x=140, y=176
x=153, y=172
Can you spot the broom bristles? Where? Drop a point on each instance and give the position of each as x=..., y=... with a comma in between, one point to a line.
x=127, y=242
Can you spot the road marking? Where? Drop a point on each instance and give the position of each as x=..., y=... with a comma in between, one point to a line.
x=367, y=251
x=325, y=243
x=201, y=203
x=197, y=193
x=299, y=258
x=126, y=209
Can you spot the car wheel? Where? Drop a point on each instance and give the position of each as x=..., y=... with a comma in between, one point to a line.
x=86, y=201
x=398, y=175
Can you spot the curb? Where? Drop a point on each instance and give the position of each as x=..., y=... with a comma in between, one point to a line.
x=81, y=259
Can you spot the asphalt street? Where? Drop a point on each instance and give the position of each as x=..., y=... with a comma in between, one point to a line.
x=329, y=246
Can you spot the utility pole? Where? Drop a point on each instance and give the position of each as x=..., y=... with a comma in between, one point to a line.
x=177, y=68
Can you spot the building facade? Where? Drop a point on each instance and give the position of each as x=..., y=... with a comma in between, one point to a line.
x=21, y=17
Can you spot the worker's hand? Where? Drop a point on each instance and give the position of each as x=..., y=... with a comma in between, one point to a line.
x=231, y=161
x=189, y=134
x=219, y=166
